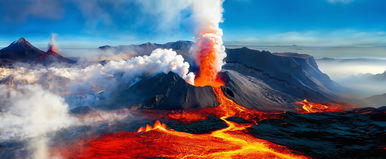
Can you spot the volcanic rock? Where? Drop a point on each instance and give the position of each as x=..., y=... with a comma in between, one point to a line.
x=328, y=135
x=164, y=92
x=273, y=82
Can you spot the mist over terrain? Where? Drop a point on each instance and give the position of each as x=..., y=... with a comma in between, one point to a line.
x=362, y=75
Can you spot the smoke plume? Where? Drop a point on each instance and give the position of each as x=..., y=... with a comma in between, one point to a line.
x=52, y=46
x=210, y=51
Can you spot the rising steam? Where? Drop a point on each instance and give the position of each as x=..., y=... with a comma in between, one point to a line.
x=35, y=100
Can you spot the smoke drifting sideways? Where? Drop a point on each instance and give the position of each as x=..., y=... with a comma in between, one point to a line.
x=81, y=86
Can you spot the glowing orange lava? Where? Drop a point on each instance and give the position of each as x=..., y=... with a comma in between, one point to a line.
x=310, y=107
x=208, y=59
x=191, y=116
x=157, y=126
x=233, y=141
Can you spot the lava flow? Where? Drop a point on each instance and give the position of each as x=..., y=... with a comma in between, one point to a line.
x=234, y=141
x=310, y=107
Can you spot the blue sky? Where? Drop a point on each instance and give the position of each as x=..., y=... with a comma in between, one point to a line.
x=80, y=23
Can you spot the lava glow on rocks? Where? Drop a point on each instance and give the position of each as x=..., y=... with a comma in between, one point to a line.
x=234, y=141
x=310, y=107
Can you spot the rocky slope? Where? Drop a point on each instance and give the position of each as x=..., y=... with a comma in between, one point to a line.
x=255, y=79
x=164, y=92
x=329, y=135
x=266, y=81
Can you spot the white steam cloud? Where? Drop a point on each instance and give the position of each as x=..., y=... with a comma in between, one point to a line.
x=206, y=15
x=35, y=100
x=30, y=111
x=81, y=86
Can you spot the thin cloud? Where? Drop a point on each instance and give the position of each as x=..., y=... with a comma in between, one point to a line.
x=318, y=38
x=340, y=1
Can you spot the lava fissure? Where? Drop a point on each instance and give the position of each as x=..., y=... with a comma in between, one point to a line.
x=310, y=107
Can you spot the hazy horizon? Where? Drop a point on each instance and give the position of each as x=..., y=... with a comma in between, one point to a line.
x=338, y=52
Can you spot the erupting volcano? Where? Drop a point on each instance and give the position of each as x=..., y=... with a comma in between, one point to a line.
x=178, y=100
x=232, y=141
x=209, y=50
x=52, y=46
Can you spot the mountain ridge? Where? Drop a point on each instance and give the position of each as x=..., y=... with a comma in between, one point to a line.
x=255, y=79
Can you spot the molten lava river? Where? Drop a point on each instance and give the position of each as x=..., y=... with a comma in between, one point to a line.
x=233, y=141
